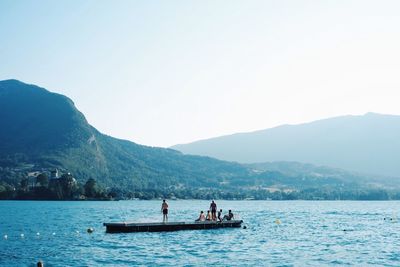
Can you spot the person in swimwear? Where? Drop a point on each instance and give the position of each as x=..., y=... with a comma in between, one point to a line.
x=219, y=215
x=164, y=210
x=208, y=217
x=201, y=218
x=229, y=216
x=213, y=208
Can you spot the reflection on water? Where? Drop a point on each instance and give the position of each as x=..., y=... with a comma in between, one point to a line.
x=286, y=233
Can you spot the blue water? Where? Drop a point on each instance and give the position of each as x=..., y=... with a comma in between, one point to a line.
x=310, y=233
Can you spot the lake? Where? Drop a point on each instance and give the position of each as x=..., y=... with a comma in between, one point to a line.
x=279, y=233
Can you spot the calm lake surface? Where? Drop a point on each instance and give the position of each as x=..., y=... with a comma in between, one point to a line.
x=310, y=233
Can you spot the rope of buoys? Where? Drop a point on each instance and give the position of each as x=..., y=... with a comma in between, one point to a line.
x=89, y=230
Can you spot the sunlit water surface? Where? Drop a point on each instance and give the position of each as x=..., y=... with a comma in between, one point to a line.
x=279, y=233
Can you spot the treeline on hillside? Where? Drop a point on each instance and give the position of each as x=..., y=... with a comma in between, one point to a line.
x=261, y=194
x=67, y=187
x=64, y=188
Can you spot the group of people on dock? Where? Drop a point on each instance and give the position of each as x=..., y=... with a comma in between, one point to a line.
x=212, y=214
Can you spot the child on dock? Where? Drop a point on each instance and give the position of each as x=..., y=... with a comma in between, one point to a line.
x=219, y=215
x=208, y=218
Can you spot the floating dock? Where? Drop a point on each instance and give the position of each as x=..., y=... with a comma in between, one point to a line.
x=125, y=227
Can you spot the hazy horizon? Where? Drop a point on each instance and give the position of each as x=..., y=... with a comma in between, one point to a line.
x=166, y=73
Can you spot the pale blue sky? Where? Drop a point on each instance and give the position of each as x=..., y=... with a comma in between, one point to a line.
x=166, y=72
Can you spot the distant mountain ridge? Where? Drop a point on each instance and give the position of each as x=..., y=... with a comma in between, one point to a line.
x=365, y=144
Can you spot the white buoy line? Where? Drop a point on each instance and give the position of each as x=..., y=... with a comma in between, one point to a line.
x=37, y=235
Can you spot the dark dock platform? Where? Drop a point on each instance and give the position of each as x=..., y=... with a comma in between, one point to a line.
x=125, y=227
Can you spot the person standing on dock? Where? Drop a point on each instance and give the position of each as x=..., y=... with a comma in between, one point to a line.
x=213, y=208
x=164, y=210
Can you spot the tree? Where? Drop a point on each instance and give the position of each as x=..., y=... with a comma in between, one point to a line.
x=68, y=185
x=24, y=184
x=91, y=189
x=6, y=191
x=42, y=179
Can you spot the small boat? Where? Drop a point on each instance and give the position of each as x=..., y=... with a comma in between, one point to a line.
x=126, y=227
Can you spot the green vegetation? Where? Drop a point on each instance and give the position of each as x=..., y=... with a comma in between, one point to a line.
x=64, y=188
x=67, y=188
x=43, y=131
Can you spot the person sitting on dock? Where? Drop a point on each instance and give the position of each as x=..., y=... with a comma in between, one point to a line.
x=219, y=215
x=201, y=218
x=213, y=208
x=208, y=218
x=228, y=216
x=164, y=210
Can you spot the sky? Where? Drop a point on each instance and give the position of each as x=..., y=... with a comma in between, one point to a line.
x=161, y=73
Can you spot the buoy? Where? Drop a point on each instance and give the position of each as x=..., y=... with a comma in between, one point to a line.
x=38, y=234
x=22, y=235
x=277, y=221
x=392, y=219
x=90, y=230
x=5, y=237
x=54, y=233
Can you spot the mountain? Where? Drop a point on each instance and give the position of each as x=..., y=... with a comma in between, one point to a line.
x=44, y=130
x=365, y=144
x=41, y=131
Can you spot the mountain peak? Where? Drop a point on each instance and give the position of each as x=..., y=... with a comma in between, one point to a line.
x=10, y=81
x=13, y=85
x=14, y=82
